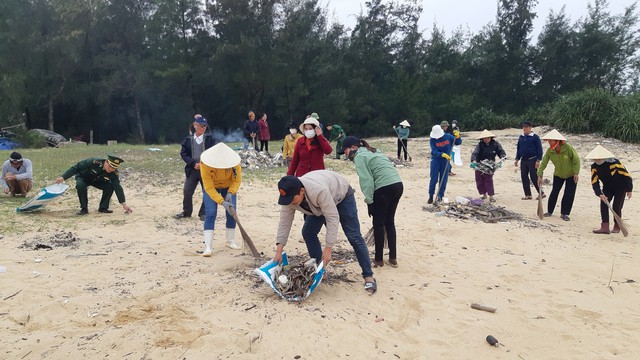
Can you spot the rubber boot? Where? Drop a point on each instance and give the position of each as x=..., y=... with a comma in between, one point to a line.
x=616, y=228
x=604, y=229
x=231, y=243
x=208, y=238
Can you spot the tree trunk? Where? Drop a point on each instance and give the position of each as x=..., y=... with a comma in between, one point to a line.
x=138, y=119
x=50, y=113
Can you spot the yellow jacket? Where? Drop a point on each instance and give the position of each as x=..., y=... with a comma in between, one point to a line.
x=214, y=179
x=289, y=145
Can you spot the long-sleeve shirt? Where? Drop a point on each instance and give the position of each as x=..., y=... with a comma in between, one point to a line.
x=92, y=171
x=529, y=146
x=187, y=153
x=309, y=155
x=214, y=179
x=251, y=127
x=613, y=175
x=487, y=151
x=264, y=133
x=323, y=191
x=403, y=132
x=566, y=162
x=336, y=132
x=374, y=170
x=289, y=145
x=25, y=171
x=443, y=145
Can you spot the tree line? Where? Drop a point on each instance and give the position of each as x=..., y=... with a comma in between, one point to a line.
x=137, y=70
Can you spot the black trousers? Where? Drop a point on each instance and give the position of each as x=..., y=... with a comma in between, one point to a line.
x=567, y=198
x=264, y=144
x=402, y=146
x=190, y=184
x=617, y=203
x=385, y=204
x=528, y=171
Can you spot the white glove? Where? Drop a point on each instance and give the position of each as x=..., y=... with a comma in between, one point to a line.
x=229, y=197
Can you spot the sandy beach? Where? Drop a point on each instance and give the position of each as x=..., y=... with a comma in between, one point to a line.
x=133, y=287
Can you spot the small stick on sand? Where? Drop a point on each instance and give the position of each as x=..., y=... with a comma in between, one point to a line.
x=483, y=308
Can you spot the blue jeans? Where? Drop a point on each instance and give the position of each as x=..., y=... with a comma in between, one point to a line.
x=350, y=225
x=211, y=211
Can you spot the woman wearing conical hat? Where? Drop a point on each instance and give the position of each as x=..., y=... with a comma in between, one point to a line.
x=616, y=183
x=402, y=130
x=487, y=149
x=221, y=177
x=566, y=161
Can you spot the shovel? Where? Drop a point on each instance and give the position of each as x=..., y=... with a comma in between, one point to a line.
x=621, y=225
x=245, y=236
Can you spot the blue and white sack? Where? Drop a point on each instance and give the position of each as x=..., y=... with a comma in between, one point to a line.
x=268, y=271
x=43, y=197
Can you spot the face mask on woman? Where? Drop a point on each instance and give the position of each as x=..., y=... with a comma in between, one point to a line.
x=352, y=154
x=599, y=162
x=292, y=131
x=310, y=133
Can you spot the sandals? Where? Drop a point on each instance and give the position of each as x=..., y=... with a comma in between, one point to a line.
x=565, y=217
x=547, y=214
x=528, y=197
x=377, y=264
x=371, y=287
x=393, y=263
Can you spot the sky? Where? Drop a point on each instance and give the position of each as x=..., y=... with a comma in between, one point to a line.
x=470, y=14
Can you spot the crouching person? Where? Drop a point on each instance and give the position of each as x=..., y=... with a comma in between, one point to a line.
x=326, y=198
x=221, y=176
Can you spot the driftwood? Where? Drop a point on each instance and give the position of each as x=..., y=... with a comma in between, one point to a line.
x=483, y=308
x=485, y=212
x=299, y=278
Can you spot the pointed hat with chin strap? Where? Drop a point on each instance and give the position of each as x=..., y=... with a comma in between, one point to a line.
x=600, y=153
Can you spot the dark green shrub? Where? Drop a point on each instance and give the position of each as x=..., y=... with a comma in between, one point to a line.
x=484, y=118
x=624, y=123
x=583, y=111
x=29, y=140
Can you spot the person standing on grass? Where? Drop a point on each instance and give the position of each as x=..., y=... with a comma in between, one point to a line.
x=382, y=188
x=487, y=149
x=191, y=149
x=616, y=183
x=529, y=154
x=17, y=175
x=264, y=133
x=567, y=167
x=326, y=198
x=402, y=131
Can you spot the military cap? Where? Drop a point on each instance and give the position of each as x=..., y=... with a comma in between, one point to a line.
x=114, y=161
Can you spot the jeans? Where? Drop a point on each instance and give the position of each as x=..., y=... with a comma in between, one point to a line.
x=190, y=184
x=211, y=211
x=567, y=197
x=350, y=225
x=528, y=171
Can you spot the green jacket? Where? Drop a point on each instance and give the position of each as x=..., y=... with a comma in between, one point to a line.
x=375, y=170
x=567, y=162
x=336, y=133
x=92, y=171
x=403, y=132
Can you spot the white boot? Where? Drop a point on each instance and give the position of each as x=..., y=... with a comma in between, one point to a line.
x=208, y=238
x=231, y=243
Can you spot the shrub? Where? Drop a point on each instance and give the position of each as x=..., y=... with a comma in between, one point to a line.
x=583, y=111
x=624, y=123
x=484, y=118
x=29, y=139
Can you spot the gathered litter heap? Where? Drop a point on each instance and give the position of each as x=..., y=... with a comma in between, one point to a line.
x=487, y=166
x=399, y=163
x=61, y=239
x=295, y=279
x=473, y=211
x=255, y=159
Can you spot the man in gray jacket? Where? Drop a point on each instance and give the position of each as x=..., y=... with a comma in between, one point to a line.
x=326, y=198
x=17, y=175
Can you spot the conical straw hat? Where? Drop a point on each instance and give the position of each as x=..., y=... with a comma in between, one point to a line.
x=554, y=135
x=220, y=156
x=486, y=134
x=600, y=153
x=405, y=123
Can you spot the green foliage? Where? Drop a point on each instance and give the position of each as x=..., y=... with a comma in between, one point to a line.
x=484, y=118
x=584, y=111
x=624, y=123
x=30, y=140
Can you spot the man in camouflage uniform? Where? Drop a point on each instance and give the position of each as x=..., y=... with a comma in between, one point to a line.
x=99, y=173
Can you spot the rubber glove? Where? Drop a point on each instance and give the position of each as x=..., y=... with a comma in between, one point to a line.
x=456, y=133
x=227, y=205
x=229, y=197
x=473, y=165
x=446, y=156
x=370, y=209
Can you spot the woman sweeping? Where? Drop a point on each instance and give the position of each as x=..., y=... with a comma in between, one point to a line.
x=382, y=188
x=567, y=166
x=616, y=183
x=486, y=150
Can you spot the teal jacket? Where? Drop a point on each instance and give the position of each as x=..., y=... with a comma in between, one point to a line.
x=403, y=132
x=567, y=162
x=374, y=170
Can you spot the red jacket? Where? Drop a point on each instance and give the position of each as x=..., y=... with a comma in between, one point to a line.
x=310, y=158
x=263, y=133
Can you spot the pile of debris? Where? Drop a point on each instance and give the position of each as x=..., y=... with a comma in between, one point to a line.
x=473, y=211
x=258, y=159
x=487, y=166
x=399, y=163
x=62, y=239
x=295, y=279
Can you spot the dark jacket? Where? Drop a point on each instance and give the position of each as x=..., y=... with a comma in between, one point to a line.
x=92, y=172
x=487, y=151
x=251, y=127
x=529, y=146
x=187, y=154
x=613, y=175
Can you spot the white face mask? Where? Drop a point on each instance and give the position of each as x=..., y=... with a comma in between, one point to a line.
x=310, y=133
x=292, y=131
x=600, y=162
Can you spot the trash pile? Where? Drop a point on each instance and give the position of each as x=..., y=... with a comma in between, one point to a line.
x=62, y=239
x=295, y=279
x=256, y=159
x=474, y=210
x=399, y=163
x=488, y=166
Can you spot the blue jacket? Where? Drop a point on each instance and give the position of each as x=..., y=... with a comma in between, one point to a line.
x=529, y=146
x=443, y=145
x=187, y=154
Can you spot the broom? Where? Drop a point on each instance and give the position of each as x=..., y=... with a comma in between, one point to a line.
x=245, y=236
x=621, y=224
x=540, y=210
x=371, y=240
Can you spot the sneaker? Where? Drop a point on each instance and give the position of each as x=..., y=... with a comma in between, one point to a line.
x=83, y=212
x=105, y=211
x=393, y=263
x=565, y=217
x=181, y=216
